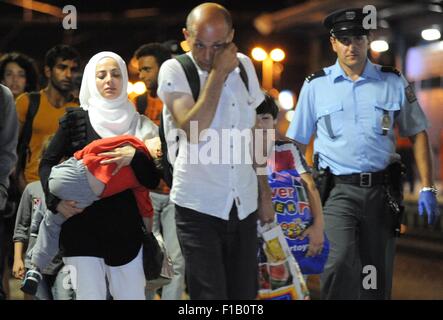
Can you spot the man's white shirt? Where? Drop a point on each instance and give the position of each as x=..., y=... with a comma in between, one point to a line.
x=209, y=176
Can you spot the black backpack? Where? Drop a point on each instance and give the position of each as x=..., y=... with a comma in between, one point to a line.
x=194, y=83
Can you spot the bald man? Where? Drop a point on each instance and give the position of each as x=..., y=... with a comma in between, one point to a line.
x=217, y=202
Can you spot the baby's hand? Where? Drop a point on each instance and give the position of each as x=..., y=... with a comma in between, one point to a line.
x=154, y=147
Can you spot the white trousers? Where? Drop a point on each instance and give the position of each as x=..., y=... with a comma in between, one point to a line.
x=89, y=274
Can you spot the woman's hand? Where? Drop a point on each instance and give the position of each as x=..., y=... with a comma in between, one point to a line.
x=68, y=208
x=121, y=156
x=316, y=239
x=18, y=269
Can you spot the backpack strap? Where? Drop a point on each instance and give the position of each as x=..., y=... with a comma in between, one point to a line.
x=26, y=133
x=244, y=75
x=74, y=121
x=191, y=74
x=193, y=78
x=167, y=168
x=141, y=102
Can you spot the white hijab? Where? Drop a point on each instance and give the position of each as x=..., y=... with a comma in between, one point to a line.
x=109, y=118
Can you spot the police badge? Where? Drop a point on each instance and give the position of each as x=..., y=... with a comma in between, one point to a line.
x=350, y=15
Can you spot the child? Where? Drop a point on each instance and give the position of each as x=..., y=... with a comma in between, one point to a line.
x=85, y=178
x=31, y=212
x=299, y=214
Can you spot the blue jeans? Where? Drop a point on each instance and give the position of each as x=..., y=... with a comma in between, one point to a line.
x=164, y=223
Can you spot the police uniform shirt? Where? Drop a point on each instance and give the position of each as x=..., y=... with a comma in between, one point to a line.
x=354, y=119
x=209, y=186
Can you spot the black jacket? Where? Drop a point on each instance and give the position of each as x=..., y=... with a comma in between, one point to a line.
x=110, y=227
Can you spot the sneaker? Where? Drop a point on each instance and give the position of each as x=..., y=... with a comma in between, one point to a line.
x=31, y=281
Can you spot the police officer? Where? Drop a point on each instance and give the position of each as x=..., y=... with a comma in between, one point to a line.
x=353, y=106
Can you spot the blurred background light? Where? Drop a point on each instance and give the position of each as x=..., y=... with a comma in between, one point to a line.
x=431, y=34
x=289, y=115
x=286, y=99
x=277, y=54
x=379, y=46
x=259, y=54
x=139, y=87
x=130, y=88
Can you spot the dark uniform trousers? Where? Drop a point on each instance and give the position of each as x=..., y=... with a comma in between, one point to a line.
x=220, y=256
x=360, y=228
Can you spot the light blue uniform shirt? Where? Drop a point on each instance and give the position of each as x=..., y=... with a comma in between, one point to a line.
x=353, y=120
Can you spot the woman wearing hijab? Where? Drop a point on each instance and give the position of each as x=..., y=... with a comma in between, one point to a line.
x=103, y=241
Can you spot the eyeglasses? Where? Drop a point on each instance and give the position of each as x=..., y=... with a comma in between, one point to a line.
x=347, y=40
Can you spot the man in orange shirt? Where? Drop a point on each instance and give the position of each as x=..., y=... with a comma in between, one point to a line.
x=150, y=57
x=61, y=63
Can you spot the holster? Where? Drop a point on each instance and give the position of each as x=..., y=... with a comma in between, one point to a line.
x=324, y=180
x=394, y=193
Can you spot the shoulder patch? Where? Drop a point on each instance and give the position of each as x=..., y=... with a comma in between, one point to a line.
x=314, y=75
x=410, y=95
x=390, y=69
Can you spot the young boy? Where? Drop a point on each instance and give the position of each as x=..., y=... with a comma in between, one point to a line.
x=30, y=214
x=84, y=178
x=295, y=196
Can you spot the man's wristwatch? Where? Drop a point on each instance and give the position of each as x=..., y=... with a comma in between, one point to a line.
x=433, y=189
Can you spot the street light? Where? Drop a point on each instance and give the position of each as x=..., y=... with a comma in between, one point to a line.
x=136, y=89
x=286, y=99
x=431, y=34
x=276, y=55
x=259, y=54
x=139, y=87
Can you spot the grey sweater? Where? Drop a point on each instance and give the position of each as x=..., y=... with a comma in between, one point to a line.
x=30, y=214
x=8, y=140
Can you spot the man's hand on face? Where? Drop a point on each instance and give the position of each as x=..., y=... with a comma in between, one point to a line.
x=225, y=59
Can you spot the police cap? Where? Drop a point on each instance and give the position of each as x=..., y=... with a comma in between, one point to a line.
x=346, y=22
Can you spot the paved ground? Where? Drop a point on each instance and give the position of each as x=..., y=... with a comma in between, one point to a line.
x=416, y=277
x=418, y=270
x=418, y=266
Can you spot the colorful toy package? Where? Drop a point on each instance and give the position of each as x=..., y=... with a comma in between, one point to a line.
x=280, y=277
x=293, y=214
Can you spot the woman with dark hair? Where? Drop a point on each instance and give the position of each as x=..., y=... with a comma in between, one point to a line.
x=18, y=72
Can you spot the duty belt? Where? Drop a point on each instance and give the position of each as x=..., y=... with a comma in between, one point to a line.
x=364, y=179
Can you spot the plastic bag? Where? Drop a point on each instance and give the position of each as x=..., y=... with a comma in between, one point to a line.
x=293, y=214
x=280, y=277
